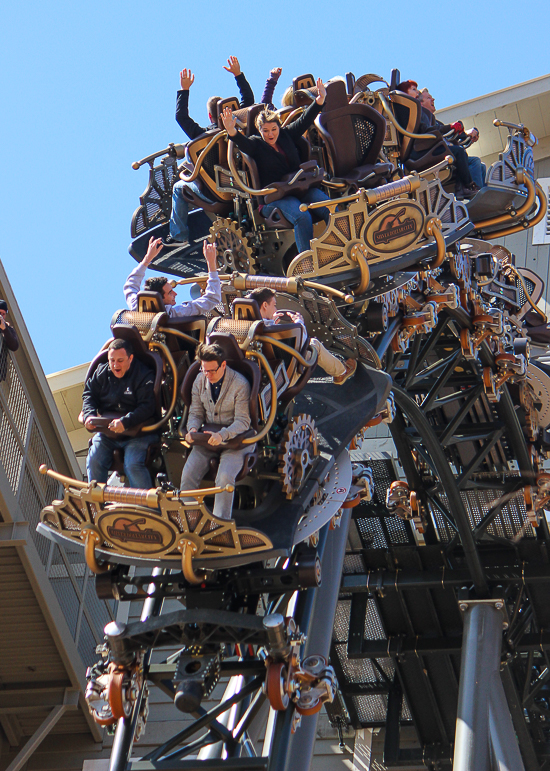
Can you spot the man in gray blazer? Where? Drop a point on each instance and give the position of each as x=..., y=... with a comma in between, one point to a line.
x=219, y=396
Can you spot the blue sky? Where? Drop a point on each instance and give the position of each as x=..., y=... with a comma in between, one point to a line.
x=87, y=88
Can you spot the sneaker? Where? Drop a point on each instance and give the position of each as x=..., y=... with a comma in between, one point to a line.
x=470, y=191
x=171, y=243
x=350, y=367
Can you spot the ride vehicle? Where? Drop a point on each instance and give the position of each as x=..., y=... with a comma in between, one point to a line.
x=405, y=280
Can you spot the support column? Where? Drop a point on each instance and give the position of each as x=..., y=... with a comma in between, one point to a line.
x=503, y=737
x=480, y=661
x=124, y=734
x=315, y=616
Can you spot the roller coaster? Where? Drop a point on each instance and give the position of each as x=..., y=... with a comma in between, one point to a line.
x=427, y=575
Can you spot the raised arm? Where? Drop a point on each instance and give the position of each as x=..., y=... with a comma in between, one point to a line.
x=212, y=294
x=270, y=84
x=133, y=282
x=248, y=146
x=187, y=124
x=247, y=95
x=307, y=118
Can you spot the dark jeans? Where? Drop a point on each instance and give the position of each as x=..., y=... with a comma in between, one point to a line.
x=460, y=161
x=100, y=458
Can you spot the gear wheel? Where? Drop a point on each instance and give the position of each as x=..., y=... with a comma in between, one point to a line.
x=298, y=451
x=233, y=251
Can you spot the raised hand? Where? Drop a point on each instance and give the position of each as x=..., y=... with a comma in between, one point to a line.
x=276, y=72
x=209, y=251
x=233, y=66
x=320, y=99
x=186, y=79
x=229, y=121
x=155, y=245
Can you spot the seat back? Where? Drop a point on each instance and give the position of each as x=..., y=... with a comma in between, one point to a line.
x=141, y=352
x=336, y=95
x=395, y=79
x=407, y=112
x=237, y=361
x=246, y=308
x=144, y=322
x=229, y=101
x=216, y=158
x=150, y=302
x=303, y=81
x=353, y=136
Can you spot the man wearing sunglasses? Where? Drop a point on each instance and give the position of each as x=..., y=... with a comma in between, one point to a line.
x=220, y=397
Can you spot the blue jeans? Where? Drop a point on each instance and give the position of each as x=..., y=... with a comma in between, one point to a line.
x=478, y=170
x=100, y=458
x=180, y=209
x=302, y=221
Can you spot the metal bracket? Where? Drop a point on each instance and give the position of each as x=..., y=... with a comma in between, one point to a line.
x=497, y=603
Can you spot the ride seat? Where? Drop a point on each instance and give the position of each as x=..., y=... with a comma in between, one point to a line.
x=220, y=202
x=353, y=135
x=150, y=358
x=407, y=111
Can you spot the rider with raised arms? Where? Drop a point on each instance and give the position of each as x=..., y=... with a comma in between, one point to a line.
x=276, y=155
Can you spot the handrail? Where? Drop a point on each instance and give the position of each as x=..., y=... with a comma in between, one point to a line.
x=391, y=116
x=193, y=280
x=65, y=481
x=347, y=298
x=543, y=205
x=243, y=281
x=177, y=150
x=168, y=414
x=331, y=202
x=287, y=348
x=408, y=184
x=273, y=409
x=290, y=117
x=202, y=156
x=179, y=333
x=521, y=178
x=433, y=228
x=357, y=254
x=521, y=280
x=238, y=180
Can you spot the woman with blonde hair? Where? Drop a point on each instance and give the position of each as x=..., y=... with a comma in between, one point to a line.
x=277, y=155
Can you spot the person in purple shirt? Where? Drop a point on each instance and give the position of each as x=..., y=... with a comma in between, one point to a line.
x=270, y=85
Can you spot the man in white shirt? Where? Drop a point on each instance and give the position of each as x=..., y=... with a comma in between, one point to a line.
x=267, y=302
x=212, y=295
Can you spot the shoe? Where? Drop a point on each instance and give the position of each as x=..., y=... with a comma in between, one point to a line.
x=171, y=243
x=351, y=366
x=471, y=190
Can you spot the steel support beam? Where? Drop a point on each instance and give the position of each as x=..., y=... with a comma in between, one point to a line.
x=125, y=730
x=448, y=481
x=530, y=760
x=392, y=580
x=501, y=729
x=70, y=701
x=315, y=616
x=479, y=662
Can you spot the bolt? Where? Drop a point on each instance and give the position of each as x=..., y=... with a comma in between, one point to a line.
x=499, y=605
x=463, y=606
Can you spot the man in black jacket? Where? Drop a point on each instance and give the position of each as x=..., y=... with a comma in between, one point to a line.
x=179, y=232
x=10, y=339
x=124, y=386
